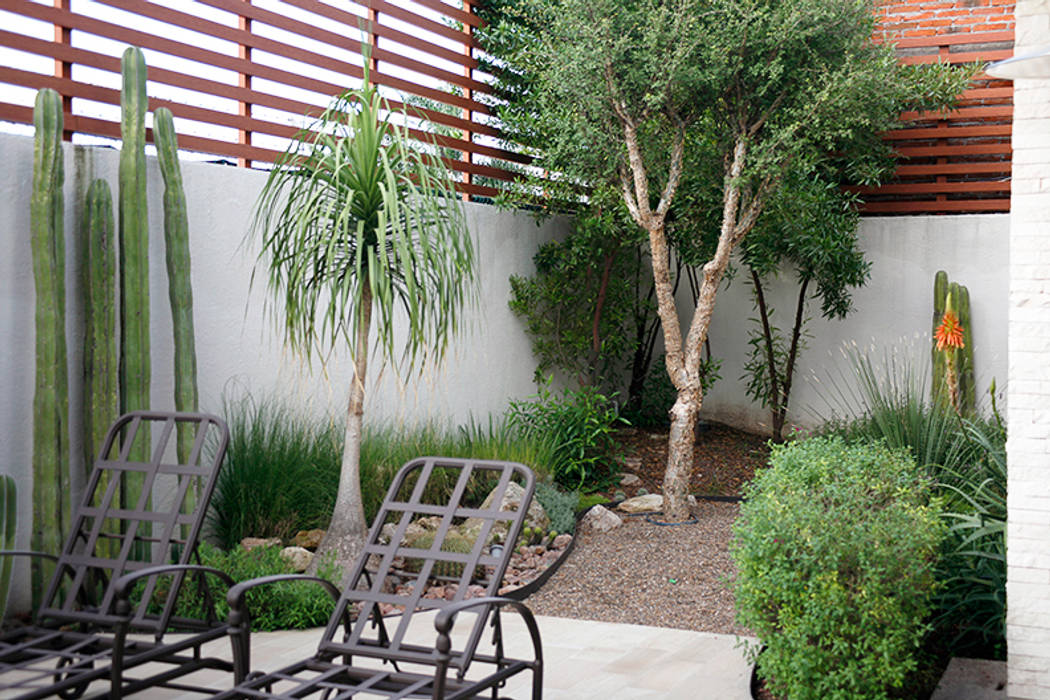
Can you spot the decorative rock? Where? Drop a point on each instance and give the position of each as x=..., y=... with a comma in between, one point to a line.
x=629, y=479
x=691, y=500
x=298, y=557
x=387, y=532
x=561, y=541
x=600, y=519
x=632, y=462
x=536, y=516
x=249, y=543
x=643, y=504
x=308, y=539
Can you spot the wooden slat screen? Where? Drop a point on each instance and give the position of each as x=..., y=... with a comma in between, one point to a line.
x=958, y=164
x=240, y=75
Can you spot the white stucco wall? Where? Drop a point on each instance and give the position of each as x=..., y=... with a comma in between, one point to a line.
x=895, y=309
x=237, y=346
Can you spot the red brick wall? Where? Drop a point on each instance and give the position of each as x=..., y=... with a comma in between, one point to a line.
x=906, y=18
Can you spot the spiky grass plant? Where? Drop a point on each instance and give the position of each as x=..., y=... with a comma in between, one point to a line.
x=888, y=401
x=282, y=465
x=358, y=219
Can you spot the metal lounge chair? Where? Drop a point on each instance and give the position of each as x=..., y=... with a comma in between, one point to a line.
x=371, y=657
x=80, y=632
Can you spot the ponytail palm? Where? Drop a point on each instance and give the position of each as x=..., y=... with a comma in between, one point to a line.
x=358, y=222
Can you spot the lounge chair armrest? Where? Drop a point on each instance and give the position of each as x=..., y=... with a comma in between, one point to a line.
x=446, y=617
x=26, y=553
x=240, y=618
x=123, y=585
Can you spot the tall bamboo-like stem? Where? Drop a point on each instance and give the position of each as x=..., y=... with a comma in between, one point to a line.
x=50, y=398
x=177, y=257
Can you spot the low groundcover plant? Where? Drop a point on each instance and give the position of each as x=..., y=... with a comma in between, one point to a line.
x=836, y=550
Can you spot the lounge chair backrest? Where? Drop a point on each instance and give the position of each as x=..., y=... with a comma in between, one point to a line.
x=399, y=572
x=141, y=507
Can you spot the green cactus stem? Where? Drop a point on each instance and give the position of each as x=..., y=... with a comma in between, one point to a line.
x=964, y=363
x=134, y=257
x=50, y=399
x=8, y=521
x=101, y=398
x=100, y=319
x=177, y=255
x=940, y=294
x=962, y=359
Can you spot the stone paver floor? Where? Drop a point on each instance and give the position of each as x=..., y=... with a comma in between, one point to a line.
x=584, y=660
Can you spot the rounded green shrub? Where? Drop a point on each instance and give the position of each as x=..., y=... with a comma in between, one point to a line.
x=836, y=549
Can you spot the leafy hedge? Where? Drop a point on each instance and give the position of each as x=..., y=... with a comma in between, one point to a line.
x=836, y=549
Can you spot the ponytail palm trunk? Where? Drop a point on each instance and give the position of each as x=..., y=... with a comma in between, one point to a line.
x=361, y=227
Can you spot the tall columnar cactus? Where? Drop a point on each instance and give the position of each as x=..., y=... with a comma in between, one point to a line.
x=134, y=252
x=8, y=520
x=177, y=255
x=937, y=357
x=98, y=268
x=963, y=356
x=101, y=398
x=50, y=399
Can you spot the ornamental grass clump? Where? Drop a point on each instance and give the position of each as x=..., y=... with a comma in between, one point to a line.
x=836, y=549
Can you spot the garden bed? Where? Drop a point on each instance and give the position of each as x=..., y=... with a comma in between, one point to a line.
x=648, y=574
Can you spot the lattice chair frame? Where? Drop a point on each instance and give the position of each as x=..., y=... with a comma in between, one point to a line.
x=107, y=585
x=390, y=573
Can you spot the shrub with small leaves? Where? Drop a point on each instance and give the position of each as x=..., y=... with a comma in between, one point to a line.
x=836, y=549
x=559, y=506
x=280, y=606
x=580, y=424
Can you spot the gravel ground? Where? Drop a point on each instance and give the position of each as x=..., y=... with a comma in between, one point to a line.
x=647, y=574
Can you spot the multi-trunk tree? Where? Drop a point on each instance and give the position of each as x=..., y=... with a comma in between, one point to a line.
x=621, y=89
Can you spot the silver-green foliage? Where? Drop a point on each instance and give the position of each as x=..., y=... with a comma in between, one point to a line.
x=836, y=551
x=559, y=505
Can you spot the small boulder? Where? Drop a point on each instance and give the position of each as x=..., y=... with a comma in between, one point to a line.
x=600, y=519
x=691, y=500
x=536, y=516
x=249, y=543
x=308, y=539
x=297, y=557
x=561, y=541
x=629, y=479
x=648, y=503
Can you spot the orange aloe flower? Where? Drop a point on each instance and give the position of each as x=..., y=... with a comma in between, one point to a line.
x=949, y=333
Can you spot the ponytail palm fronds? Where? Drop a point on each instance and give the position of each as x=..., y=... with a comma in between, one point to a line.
x=353, y=204
x=359, y=222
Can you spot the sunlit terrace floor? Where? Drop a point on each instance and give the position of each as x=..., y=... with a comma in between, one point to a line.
x=583, y=660
x=588, y=660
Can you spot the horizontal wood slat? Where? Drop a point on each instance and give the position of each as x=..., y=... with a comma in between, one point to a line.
x=959, y=162
x=235, y=48
x=424, y=50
